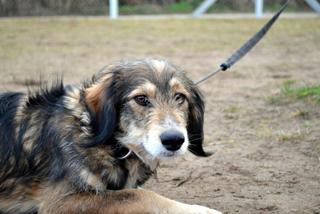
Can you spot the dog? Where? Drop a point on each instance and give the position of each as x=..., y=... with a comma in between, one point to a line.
x=87, y=149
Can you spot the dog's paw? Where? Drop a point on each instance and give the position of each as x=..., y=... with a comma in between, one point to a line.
x=197, y=209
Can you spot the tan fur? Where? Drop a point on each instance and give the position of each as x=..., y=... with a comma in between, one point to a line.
x=20, y=194
x=92, y=180
x=129, y=201
x=133, y=173
x=179, y=117
x=159, y=114
x=94, y=93
x=147, y=89
x=178, y=87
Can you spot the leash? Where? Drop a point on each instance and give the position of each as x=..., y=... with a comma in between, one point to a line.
x=246, y=47
x=236, y=56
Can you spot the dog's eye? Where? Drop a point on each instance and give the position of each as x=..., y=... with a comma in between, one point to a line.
x=142, y=100
x=180, y=98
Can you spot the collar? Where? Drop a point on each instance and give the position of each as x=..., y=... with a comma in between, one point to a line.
x=122, y=152
x=125, y=156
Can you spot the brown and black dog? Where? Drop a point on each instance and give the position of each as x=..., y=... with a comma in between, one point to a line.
x=87, y=149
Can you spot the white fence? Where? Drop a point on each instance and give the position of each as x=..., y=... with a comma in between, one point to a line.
x=206, y=4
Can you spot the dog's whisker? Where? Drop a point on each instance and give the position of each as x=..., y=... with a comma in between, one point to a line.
x=196, y=139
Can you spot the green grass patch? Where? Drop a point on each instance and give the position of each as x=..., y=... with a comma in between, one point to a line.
x=291, y=7
x=291, y=92
x=181, y=7
x=305, y=92
x=141, y=9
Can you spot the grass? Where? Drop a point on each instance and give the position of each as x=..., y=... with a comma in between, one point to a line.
x=176, y=8
x=79, y=46
x=266, y=131
x=305, y=92
x=290, y=92
x=181, y=7
x=301, y=113
x=26, y=35
x=283, y=136
x=232, y=109
x=141, y=9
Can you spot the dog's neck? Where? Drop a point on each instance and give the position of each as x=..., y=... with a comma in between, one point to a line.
x=123, y=153
x=151, y=162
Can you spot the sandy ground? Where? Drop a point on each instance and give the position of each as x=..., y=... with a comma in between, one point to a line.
x=266, y=151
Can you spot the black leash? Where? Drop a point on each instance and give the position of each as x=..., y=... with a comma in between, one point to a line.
x=245, y=48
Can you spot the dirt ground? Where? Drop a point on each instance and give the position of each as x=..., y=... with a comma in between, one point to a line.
x=266, y=147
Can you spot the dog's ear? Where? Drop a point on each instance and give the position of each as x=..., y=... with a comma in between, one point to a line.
x=195, y=123
x=102, y=99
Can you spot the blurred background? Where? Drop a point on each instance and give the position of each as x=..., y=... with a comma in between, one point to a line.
x=129, y=7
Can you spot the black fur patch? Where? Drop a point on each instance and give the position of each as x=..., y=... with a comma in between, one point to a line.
x=10, y=150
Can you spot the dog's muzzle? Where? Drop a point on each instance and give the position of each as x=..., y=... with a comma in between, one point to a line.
x=172, y=140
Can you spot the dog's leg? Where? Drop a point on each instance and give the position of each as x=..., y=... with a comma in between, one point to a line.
x=122, y=201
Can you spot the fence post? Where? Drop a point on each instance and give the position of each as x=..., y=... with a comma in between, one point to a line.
x=113, y=9
x=314, y=4
x=203, y=7
x=258, y=8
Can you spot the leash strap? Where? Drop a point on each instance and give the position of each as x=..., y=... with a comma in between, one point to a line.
x=246, y=47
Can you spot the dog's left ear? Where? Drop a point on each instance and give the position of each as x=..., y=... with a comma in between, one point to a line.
x=195, y=123
x=101, y=98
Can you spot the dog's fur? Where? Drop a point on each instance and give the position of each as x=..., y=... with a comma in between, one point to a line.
x=67, y=149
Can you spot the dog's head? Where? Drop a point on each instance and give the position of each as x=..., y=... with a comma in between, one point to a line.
x=149, y=106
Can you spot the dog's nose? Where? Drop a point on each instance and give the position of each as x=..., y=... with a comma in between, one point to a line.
x=172, y=140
